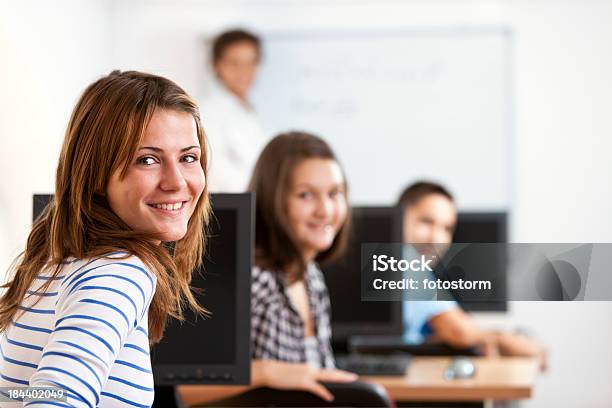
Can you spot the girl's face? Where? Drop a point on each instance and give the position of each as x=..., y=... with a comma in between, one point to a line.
x=165, y=180
x=316, y=205
x=431, y=220
x=237, y=67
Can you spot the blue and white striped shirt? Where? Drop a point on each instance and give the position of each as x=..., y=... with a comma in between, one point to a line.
x=87, y=334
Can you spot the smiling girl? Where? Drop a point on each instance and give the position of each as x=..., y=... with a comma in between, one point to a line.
x=301, y=220
x=111, y=257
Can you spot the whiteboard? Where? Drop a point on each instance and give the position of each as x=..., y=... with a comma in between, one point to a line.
x=398, y=106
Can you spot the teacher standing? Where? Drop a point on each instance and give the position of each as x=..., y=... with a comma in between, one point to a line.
x=236, y=136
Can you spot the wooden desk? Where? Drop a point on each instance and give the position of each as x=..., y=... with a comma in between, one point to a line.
x=504, y=378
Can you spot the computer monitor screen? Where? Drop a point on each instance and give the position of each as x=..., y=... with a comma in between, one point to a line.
x=350, y=315
x=481, y=227
x=187, y=342
x=486, y=227
x=213, y=349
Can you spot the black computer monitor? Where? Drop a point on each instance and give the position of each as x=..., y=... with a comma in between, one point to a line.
x=481, y=227
x=350, y=315
x=216, y=349
x=486, y=227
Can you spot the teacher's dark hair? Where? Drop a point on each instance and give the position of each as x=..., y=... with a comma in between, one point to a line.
x=228, y=38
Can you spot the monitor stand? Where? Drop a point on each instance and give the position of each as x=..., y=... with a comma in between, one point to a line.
x=166, y=396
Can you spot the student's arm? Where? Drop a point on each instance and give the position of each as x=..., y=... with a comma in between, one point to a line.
x=513, y=344
x=96, y=312
x=273, y=374
x=457, y=329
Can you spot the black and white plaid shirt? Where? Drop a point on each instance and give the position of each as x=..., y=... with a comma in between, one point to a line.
x=277, y=330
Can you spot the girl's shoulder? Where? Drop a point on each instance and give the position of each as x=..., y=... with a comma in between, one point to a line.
x=314, y=278
x=125, y=262
x=261, y=274
x=261, y=278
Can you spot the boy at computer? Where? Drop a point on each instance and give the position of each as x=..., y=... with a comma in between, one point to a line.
x=430, y=217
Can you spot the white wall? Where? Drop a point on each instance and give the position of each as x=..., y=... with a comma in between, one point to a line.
x=562, y=190
x=563, y=171
x=49, y=52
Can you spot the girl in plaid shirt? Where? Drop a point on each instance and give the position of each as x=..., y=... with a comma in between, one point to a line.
x=301, y=220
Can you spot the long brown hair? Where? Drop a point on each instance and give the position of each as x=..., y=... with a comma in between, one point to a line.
x=271, y=182
x=103, y=135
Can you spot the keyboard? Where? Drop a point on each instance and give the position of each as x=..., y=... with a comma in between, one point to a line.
x=363, y=364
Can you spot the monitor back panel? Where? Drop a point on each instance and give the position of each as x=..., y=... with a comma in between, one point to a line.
x=215, y=349
x=351, y=316
x=486, y=227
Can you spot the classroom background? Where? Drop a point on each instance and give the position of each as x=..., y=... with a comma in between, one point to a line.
x=548, y=164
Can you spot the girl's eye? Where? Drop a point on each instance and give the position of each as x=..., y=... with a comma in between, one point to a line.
x=146, y=160
x=305, y=194
x=190, y=158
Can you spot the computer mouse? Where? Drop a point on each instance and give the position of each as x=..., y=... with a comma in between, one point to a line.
x=460, y=368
